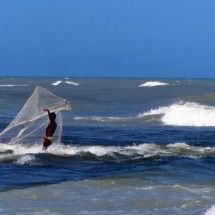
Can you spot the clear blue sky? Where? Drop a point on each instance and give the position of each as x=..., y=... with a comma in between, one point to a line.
x=114, y=38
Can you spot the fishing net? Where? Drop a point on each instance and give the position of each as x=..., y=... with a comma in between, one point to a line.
x=31, y=122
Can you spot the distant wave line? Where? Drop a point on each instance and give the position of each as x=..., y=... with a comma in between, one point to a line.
x=14, y=85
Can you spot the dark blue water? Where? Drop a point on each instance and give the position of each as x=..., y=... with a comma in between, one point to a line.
x=160, y=134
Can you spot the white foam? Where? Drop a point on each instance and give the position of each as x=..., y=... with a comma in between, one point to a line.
x=185, y=114
x=153, y=84
x=57, y=83
x=143, y=150
x=100, y=118
x=60, y=149
x=179, y=145
x=210, y=211
x=4, y=147
x=26, y=152
x=71, y=83
x=67, y=82
x=193, y=152
x=25, y=159
x=147, y=149
x=20, y=149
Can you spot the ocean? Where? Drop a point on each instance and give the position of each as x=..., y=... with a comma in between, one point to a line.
x=129, y=146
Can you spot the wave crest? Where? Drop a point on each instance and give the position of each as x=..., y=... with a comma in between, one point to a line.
x=26, y=154
x=153, y=84
x=185, y=114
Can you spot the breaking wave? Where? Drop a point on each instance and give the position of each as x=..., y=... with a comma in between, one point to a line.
x=66, y=82
x=57, y=83
x=185, y=114
x=210, y=211
x=177, y=114
x=153, y=84
x=26, y=154
x=71, y=83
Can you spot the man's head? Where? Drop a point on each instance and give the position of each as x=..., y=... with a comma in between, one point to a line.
x=53, y=115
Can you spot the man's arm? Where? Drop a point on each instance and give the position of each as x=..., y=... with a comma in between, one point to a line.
x=47, y=110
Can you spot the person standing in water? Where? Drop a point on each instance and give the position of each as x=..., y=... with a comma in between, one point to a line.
x=47, y=140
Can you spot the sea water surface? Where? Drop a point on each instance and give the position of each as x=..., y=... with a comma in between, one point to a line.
x=129, y=146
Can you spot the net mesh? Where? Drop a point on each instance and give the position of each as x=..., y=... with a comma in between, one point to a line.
x=31, y=122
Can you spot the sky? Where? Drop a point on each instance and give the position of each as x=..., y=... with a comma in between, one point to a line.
x=108, y=38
